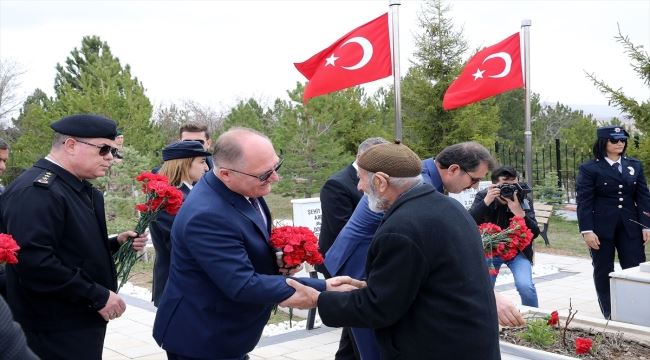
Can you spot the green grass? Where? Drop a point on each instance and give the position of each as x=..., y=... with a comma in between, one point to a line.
x=565, y=239
x=281, y=207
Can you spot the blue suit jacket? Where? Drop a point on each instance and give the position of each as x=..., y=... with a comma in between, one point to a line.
x=606, y=197
x=223, y=280
x=347, y=256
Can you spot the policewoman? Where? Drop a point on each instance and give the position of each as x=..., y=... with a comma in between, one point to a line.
x=62, y=291
x=611, y=192
x=184, y=164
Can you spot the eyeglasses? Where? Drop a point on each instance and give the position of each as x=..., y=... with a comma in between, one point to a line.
x=474, y=180
x=198, y=140
x=616, y=141
x=103, y=149
x=264, y=177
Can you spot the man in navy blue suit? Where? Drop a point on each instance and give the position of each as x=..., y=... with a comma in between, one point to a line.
x=224, y=279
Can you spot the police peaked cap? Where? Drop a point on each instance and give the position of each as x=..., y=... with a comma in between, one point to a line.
x=86, y=126
x=612, y=132
x=183, y=150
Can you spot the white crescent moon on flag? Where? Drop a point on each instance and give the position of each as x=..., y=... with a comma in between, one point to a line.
x=506, y=58
x=367, y=52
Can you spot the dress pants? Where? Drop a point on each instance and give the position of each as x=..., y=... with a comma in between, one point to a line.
x=630, y=254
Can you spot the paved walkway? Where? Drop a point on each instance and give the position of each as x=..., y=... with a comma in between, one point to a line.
x=129, y=337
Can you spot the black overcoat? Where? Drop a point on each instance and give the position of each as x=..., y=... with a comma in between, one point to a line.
x=65, y=267
x=428, y=295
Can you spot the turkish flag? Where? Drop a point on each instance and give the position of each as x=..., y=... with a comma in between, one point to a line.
x=361, y=56
x=491, y=71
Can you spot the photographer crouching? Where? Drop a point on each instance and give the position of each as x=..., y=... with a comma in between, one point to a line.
x=500, y=202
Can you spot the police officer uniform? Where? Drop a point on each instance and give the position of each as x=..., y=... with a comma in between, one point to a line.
x=65, y=268
x=609, y=196
x=161, y=227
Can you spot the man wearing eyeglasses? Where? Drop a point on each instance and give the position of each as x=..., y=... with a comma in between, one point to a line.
x=62, y=291
x=224, y=278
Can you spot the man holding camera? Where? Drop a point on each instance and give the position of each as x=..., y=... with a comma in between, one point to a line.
x=499, y=203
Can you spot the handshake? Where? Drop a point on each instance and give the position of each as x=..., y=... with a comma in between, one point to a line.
x=306, y=297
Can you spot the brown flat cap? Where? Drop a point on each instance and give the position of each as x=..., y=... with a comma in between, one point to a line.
x=395, y=160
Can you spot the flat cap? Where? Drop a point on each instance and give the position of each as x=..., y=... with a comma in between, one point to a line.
x=394, y=159
x=612, y=132
x=86, y=126
x=183, y=150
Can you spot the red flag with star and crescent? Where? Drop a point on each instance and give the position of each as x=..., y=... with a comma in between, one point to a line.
x=490, y=72
x=361, y=56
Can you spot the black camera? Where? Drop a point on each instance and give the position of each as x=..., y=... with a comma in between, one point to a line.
x=508, y=190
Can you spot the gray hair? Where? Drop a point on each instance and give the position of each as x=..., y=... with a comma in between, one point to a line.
x=468, y=155
x=400, y=183
x=366, y=144
x=3, y=145
x=228, y=149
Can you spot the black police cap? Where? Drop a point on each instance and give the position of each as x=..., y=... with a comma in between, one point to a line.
x=612, y=132
x=184, y=149
x=86, y=126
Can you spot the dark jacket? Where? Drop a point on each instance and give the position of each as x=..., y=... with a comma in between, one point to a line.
x=338, y=197
x=160, y=230
x=606, y=197
x=500, y=215
x=65, y=268
x=428, y=295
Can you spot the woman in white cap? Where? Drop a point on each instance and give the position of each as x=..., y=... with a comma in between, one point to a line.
x=612, y=197
x=184, y=164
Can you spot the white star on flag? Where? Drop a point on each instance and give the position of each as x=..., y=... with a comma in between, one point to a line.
x=330, y=60
x=478, y=74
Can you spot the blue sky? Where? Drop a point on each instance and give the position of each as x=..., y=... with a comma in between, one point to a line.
x=217, y=52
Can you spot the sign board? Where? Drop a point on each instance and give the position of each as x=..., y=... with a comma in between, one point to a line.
x=466, y=198
x=306, y=212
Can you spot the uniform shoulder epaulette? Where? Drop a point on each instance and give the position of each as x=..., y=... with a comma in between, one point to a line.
x=629, y=158
x=44, y=179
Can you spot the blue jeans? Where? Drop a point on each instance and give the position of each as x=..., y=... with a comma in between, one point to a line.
x=523, y=273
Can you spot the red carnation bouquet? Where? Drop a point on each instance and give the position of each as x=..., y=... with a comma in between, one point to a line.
x=8, y=250
x=504, y=243
x=295, y=245
x=159, y=196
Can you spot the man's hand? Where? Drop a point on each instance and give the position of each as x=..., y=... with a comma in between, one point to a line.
x=508, y=313
x=514, y=205
x=305, y=297
x=591, y=239
x=344, y=283
x=492, y=193
x=114, y=307
x=646, y=237
x=139, y=241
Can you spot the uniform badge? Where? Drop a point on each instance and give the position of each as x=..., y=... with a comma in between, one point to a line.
x=618, y=130
x=44, y=179
x=631, y=170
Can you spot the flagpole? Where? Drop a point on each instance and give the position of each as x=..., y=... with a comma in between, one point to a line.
x=528, y=134
x=394, y=6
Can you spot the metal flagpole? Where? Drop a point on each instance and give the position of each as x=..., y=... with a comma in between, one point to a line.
x=394, y=6
x=528, y=134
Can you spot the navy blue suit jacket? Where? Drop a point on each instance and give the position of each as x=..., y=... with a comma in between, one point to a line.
x=223, y=280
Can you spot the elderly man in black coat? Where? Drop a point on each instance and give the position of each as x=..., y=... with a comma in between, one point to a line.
x=428, y=293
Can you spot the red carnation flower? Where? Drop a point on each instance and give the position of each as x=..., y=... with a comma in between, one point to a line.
x=8, y=249
x=554, y=319
x=298, y=244
x=583, y=345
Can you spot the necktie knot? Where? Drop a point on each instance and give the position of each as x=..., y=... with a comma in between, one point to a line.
x=616, y=167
